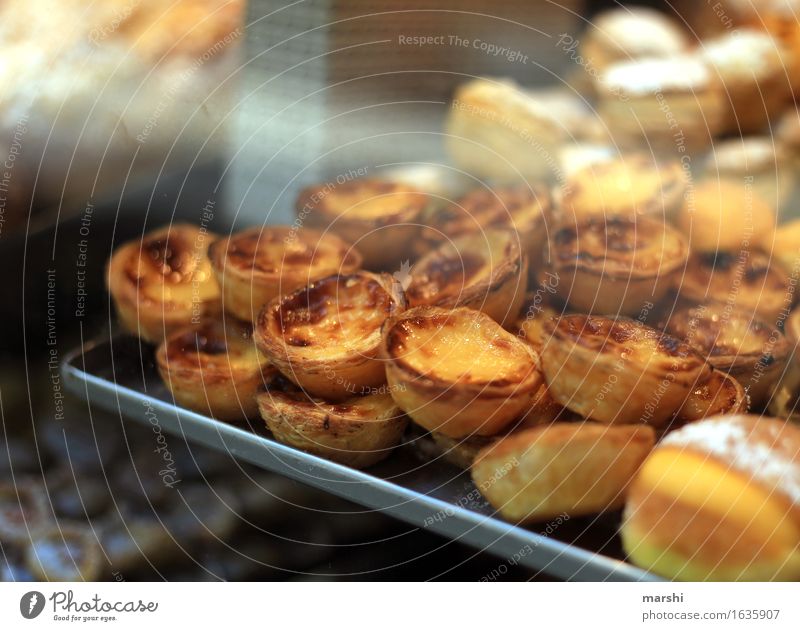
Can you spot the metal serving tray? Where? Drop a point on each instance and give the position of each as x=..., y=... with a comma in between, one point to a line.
x=118, y=373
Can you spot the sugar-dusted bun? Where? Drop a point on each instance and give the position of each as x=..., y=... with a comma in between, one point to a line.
x=719, y=500
x=564, y=468
x=617, y=370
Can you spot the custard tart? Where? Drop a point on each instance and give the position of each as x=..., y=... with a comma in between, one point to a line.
x=618, y=370
x=616, y=265
x=570, y=469
x=358, y=431
x=457, y=371
x=485, y=270
x=214, y=368
x=786, y=247
x=522, y=207
x=746, y=281
x=381, y=219
x=627, y=186
x=325, y=337
x=753, y=352
x=255, y=265
x=723, y=215
x=720, y=394
x=164, y=281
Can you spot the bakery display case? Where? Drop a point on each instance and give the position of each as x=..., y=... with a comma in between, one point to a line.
x=335, y=290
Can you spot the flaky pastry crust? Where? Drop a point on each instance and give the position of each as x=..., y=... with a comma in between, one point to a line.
x=325, y=337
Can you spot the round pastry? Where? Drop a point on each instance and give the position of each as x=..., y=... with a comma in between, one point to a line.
x=780, y=19
x=325, y=337
x=635, y=94
x=24, y=511
x=622, y=34
x=214, y=368
x=745, y=281
x=616, y=265
x=258, y=264
x=163, y=281
x=571, y=111
x=785, y=248
x=483, y=270
x=565, y=468
x=380, y=218
x=719, y=394
x=64, y=552
x=722, y=215
x=631, y=185
x=578, y=156
x=618, y=370
x=759, y=163
x=752, y=68
x=496, y=130
x=458, y=372
x=719, y=500
x=753, y=352
x=358, y=431
x=521, y=207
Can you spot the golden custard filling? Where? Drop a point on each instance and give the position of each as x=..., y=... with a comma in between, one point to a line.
x=333, y=315
x=173, y=269
x=625, y=338
x=283, y=250
x=619, y=246
x=622, y=186
x=214, y=346
x=372, y=200
x=465, y=262
x=463, y=347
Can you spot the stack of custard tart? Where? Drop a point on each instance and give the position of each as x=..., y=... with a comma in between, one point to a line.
x=576, y=361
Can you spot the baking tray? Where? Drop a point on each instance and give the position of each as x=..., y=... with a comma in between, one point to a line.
x=118, y=373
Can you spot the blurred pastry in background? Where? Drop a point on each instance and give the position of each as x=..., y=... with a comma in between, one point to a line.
x=725, y=215
x=785, y=248
x=256, y=265
x=380, y=218
x=755, y=74
x=630, y=33
x=670, y=105
x=757, y=163
x=746, y=280
x=495, y=129
x=629, y=185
